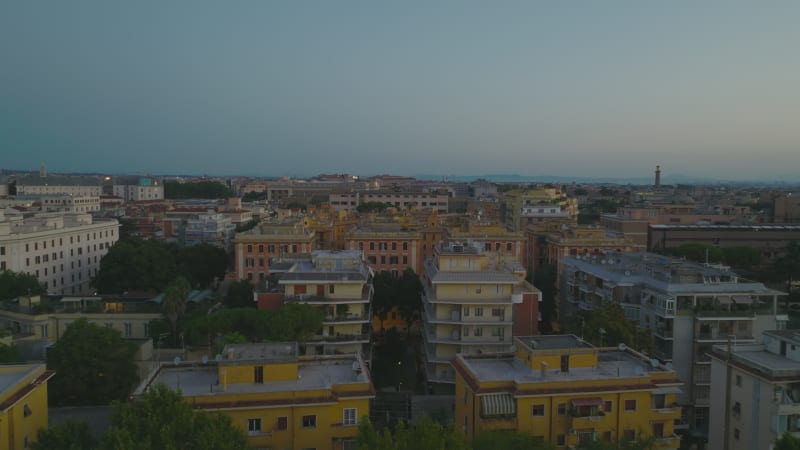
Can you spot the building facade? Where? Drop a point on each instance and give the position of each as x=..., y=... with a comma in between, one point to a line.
x=349, y=201
x=340, y=284
x=688, y=308
x=470, y=299
x=563, y=390
x=62, y=250
x=280, y=399
x=254, y=249
x=755, y=391
x=23, y=404
x=531, y=206
x=210, y=228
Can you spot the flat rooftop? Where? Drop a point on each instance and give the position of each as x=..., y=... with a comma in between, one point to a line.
x=197, y=379
x=611, y=365
x=267, y=352
x=12, y=374
x=552, y=342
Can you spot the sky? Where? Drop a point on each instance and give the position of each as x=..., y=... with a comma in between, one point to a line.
x=605, y=89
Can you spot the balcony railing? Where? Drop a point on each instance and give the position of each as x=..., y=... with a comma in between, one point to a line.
x=338, y=338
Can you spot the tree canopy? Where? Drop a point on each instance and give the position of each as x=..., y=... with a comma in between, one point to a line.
x=67, y=435
x=94, y=365
x=150, y=265
x=161, y=420
x=404, y=293
x=196, y=189
x=608, y=326
x=422, y=432
x=15, y=284
x=240, y=294
x=787, y=442
x=508, y=440
x=174, y=303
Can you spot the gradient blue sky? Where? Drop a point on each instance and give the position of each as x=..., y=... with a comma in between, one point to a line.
x=298, y=87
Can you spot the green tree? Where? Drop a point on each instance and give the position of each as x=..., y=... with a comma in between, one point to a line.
x=174, y=303
x=240, y=294
x=8, y=354
x=700, y=252
x=787, y=267
x=197, y=189
x=508, y=440
x=608, y=326
x=404, y=293
x=67, y=435
x=544, y=278
x=201, y=264
x=161, y=420
x=15, y=284
x=422, y=433
x=136, y=264
x=294, y=322
x=787, y=442
x=94, y=365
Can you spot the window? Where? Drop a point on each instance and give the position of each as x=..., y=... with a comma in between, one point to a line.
x=736, y=433
x=629, y=434
x=26, y=410
x=261, y=261
x=737, y=410
x=283, y=423
x=254, y=426
x=562, y=409
x=261, y=248
x=607, y=436
x=478, y=311
x=405, y=245
x=607, y=406
x=258, y=374
x=537, y=410
x=478, y=331
x=497, y=312
x=128, y=329
x=310, y=421
x=349, y=416
x=739, y=380
x=509, y=246
x=466, y=311
x=405, y=259
x=394, y=245
x=249, y=248
x=466, y=331
x=372, y=246
x=630, y=405
x=561, y=440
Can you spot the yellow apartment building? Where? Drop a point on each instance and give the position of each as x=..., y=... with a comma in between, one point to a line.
x=472, y=303
x=525, y=207
x=561, y=389
x=339, y=283
x=281, y=400
x=23, y=404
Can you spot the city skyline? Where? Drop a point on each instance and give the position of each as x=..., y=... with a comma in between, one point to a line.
x=605, y=91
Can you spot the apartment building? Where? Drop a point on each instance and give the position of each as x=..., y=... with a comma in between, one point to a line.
x=280, y=399
x=491, y=237
x=531, y=206
x=472, y=302
x=64, y=203
x=387, y=247
x=137, y=188
x=340, y=284
x=44, y=184
x=254, y=249
x=572, y=240
x=62, y=250
x=210, y=228
x=755, y=391
x=688, y=307
x=23, y=404
x=561, y=389
x=349, y=201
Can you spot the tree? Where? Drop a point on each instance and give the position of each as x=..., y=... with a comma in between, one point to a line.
x=15, y=284
x=94, y=365
x=201, y=264
x=403, y=293
x=544, y=278
x=787, y=442
x=67, y=435
x=8, y=354
x=240, y=294
x=199, y=189
x=161, y=420
x=136, y=264
x=422, y=432
x=700, y=252
x=608, y=326
x=508, y=439
x=174, y=304
x=787, y=267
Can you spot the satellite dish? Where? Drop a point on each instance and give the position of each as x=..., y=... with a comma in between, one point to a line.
x=205, y=359
x=622, y=347
x=218, y=358
x=177, y=360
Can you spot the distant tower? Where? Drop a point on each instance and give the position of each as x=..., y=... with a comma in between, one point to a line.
x=658, y=177
x=42, y=171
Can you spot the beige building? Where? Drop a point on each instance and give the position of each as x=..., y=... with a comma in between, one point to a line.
x=340, y=284
x=62, y=250
x=350, y=201
x=522, y=208
x=755, y=392
x=470, y=302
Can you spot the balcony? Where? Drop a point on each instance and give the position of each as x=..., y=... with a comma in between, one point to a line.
x=668, y=441
x=663, y=332
x=590, y=421
x=339, y=338
x=366, y=296
x=347, y=318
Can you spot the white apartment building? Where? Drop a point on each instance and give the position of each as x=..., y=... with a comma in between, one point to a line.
x=55, y=185
x=349, y=201
x=70, y=203
x=137, y=189
x=210, y=228
x=62, y=250
x=755, y=392
x=468, y=307
x=688, y=308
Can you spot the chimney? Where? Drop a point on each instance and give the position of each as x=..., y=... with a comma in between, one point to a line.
x=658, y=177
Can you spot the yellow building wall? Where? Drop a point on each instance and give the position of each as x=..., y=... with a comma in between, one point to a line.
x=15, y=428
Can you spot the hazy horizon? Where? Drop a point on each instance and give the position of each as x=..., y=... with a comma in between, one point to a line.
x=458, y=88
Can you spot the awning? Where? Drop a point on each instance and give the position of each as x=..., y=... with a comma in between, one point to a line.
x=498, y=405
x=742, y=299
x=668, y=390
x=589, y=401
x=724, y=300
